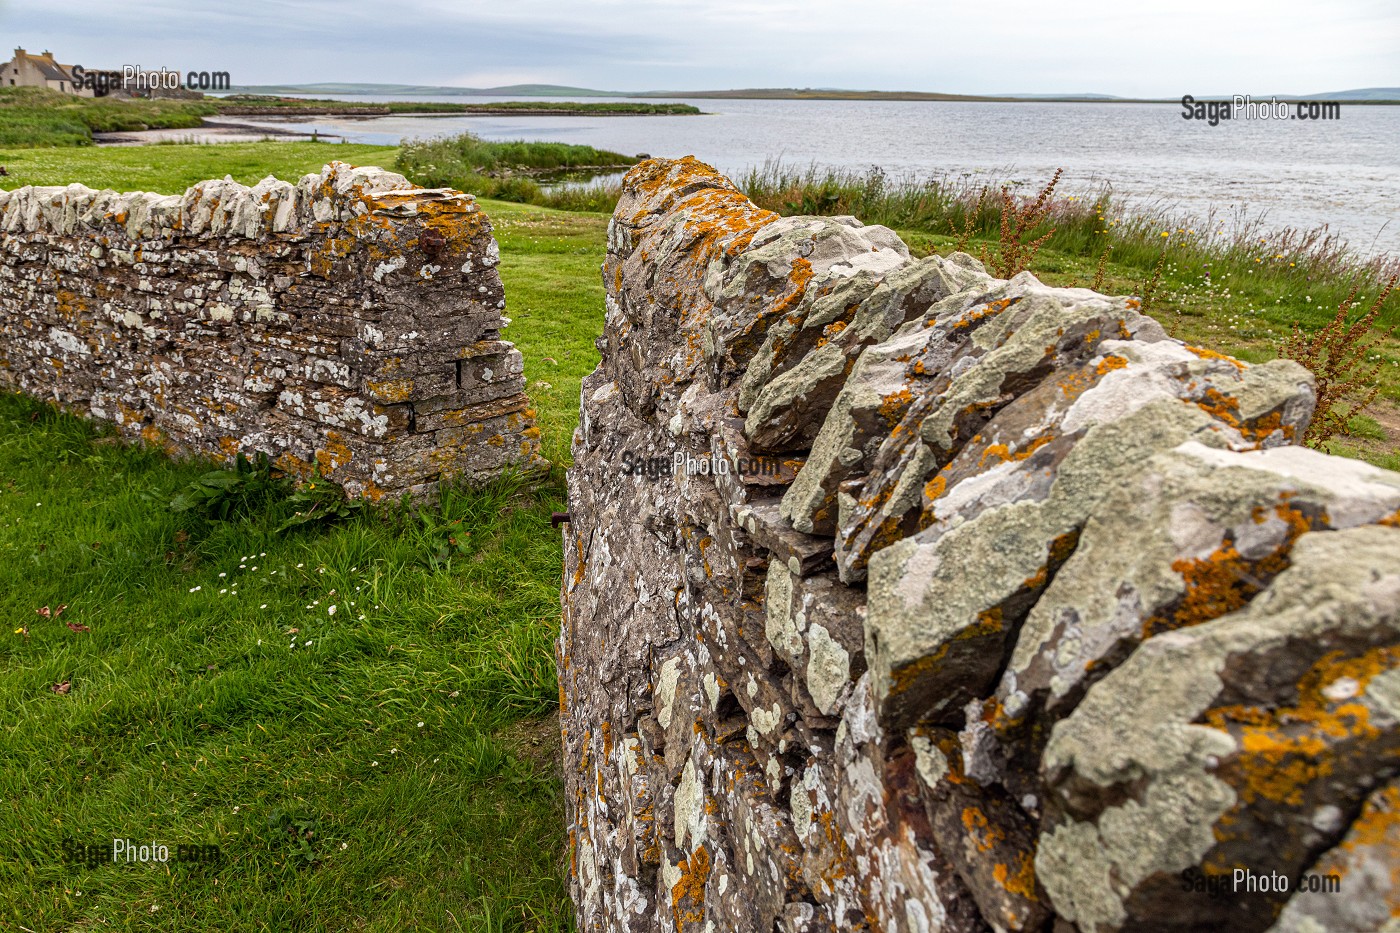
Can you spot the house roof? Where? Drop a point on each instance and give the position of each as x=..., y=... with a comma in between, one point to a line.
x=50, y=69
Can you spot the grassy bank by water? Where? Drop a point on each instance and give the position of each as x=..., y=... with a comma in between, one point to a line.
x=503, y=170
x=34, y=117
x=37, y=117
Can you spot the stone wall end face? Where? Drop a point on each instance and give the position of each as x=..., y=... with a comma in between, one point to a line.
x=347, y=324
x=900, y=597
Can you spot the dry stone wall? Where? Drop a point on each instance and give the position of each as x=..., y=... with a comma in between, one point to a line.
x=900, y=597
x=349, y=323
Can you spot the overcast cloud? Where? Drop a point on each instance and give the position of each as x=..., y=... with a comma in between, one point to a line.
x=987, y=47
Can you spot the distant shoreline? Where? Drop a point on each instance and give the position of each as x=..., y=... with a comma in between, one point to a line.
x=269, y=105
x=402, y=91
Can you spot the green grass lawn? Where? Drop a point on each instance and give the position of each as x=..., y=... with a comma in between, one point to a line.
x=191, y=719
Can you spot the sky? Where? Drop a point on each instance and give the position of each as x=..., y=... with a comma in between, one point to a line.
x=1143, y=49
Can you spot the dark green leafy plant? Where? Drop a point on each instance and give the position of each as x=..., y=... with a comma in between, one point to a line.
x=320, y=502
x=231, y=494
x=300, y=830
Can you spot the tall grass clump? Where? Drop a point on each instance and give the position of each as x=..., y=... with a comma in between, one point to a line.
x=502, y=170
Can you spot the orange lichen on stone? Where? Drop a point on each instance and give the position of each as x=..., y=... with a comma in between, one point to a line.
x=578, y=549
x=1377, y=826
x=1220, y=406
x=1206, y=354
x=1284, y=749
x=695, y=872
x=457, y=226
x=980, y=831
x=894, y=405
x=1005, y=455
x=1109, y=363
x=1224, y=581
x=905, y=677
x=334, y=454
x=1019, y=880
x=990, y=309
x=392, y=390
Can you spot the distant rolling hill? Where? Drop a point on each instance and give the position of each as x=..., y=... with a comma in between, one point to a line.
x=1361, y=93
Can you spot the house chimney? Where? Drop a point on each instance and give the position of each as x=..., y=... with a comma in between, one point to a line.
x=19, y=52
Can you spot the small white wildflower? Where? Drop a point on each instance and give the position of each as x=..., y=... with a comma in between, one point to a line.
x=223, y=574
x=330, y=610
x=195, y=589
x=420, y=725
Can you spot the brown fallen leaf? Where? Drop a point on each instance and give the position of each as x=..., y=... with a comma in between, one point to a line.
x=77, y=626
x=62, y=688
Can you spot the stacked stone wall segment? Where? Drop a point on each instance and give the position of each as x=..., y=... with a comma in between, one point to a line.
x=1039, y=621
x=348, y=323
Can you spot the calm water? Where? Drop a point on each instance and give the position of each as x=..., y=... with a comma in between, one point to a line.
x=1344, y=173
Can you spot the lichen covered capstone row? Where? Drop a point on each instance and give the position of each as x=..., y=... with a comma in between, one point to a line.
x=348, y=324
x=1040, y=620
